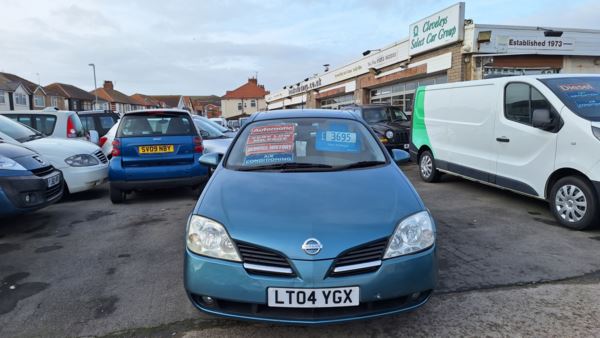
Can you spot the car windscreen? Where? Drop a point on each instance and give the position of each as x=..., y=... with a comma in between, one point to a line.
x=17, y=131
x=209, y=129
x=375, y=115
x=580, y=94
x=217, y=125
x=397, y=114
x=155, y=124
x=311, y=144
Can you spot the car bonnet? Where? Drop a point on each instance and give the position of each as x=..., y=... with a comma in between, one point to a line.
x=341, y=209
x=61, y=147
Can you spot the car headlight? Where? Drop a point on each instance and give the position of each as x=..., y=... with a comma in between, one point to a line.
x=413, y=234
x=10, y=164
x=596, y=132
x=209, y=238
x=81, y=160
x=389, y=134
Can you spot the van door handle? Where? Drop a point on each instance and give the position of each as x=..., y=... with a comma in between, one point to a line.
x=503, y=139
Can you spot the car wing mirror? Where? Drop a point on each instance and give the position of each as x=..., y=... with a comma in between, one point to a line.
x=210, y=160
x=400, y=156
x=541, y=119
x=94, y=137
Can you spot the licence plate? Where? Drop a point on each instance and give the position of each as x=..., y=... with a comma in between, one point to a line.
x=157, y=149
x=313, y=298
x=53, y=180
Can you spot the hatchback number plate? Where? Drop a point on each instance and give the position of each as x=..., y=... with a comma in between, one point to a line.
x=156, y=149
x=53, y=180
x=313, y=298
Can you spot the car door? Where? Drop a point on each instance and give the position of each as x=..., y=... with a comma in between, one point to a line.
x=525, y=155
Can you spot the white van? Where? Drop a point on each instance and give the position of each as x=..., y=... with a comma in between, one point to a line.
x=536, y=135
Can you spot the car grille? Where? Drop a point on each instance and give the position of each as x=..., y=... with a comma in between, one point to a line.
x=262, y=261
x=41, y=172
x=361, y=259
x=401, y=137
x=53, y=192
x=100, y=155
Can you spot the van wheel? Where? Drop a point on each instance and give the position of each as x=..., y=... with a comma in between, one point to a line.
x=427, y=168
x=116, y=195
x=574, y=203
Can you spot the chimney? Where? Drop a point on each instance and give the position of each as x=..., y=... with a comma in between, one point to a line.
x=252, y=80
x=108, y=85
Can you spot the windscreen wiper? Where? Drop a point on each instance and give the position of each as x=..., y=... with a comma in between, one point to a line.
x=361, y=164
x=287, y=166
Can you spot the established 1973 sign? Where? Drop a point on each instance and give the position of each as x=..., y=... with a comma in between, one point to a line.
x=439, y=29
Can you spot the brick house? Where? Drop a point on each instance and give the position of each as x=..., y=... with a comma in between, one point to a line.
x=144, y=101
x=244, y=100
x=75, y=99
x=36, y=95
x=115, y=100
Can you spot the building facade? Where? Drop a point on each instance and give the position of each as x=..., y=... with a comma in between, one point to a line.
x=444, y=47
x=111, y=99
x=244, y=100
x=74, y=98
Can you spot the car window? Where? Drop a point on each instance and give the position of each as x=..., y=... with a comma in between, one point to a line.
x=397, y=114
x=155, y=125
x=16, y=130
x=305, y=142
x=88, y=122
x=374, y=115
x=521, y=99
x=45, y=123
x=106, y=122
x=25, y=119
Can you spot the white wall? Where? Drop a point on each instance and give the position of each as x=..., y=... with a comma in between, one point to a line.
x=25, y=106
x=229, y=107
x=6, y=104
x=581, y=64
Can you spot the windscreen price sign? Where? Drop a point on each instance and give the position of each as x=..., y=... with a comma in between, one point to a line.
x=439, y=29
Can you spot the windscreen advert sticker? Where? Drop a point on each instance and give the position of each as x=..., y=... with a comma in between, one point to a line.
x=337, y=139
x=270, y=144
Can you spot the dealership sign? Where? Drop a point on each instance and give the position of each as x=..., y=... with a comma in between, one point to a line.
x=550, y=43
x=439, y=29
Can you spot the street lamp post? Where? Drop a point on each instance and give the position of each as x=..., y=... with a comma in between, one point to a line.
x=95, y=85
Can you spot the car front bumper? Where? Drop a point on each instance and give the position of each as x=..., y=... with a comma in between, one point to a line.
x=400, y=284
x=19, y=194
x=84, y=178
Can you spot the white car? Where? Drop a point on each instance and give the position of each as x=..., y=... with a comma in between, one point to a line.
x=82, y=163
x=51, y=122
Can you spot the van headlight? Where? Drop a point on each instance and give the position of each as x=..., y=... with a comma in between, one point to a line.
x=209, y=238
x=414, y=233
x=81, y=160
x=10, y=164
x=596, y=132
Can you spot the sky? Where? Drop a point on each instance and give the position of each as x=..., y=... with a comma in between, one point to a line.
x=207, y=47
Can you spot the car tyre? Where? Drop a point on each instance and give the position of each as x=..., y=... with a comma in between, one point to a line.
x=574, y=203
x=427, y=168
x=117, y=196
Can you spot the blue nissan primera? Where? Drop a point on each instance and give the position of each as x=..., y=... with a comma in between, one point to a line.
x=307, y=220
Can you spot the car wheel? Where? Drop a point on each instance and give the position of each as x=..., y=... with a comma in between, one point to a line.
x=116, y=195
x=574, y=203
x=427, y=168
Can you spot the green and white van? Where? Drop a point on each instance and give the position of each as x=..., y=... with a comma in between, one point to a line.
x=536, y=135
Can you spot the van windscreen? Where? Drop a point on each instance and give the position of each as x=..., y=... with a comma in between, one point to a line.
x=580, y=94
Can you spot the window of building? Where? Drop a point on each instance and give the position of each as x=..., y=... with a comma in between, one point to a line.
x=520, y=100
x=87, y=105
x=20, y=99
x=54, y=101
x=75, y=105
x=239, y=106
x=337, y=102
x=402, y=94
x=253, y=103
x=38, y=101
x=2, y=98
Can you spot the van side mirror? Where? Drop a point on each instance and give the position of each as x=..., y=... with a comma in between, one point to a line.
x=210, y=160
x=94, y=137
x=541, y=119
x=400, y=156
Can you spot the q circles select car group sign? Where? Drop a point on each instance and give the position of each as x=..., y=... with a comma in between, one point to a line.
x=442, y=28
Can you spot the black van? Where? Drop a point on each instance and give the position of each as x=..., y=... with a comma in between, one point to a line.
x=390, y=123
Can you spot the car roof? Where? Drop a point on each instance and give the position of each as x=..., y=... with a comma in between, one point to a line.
x=371, y=105
x=88, y=112
x=39, y=112
x=160, y=110
x=298, y=113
